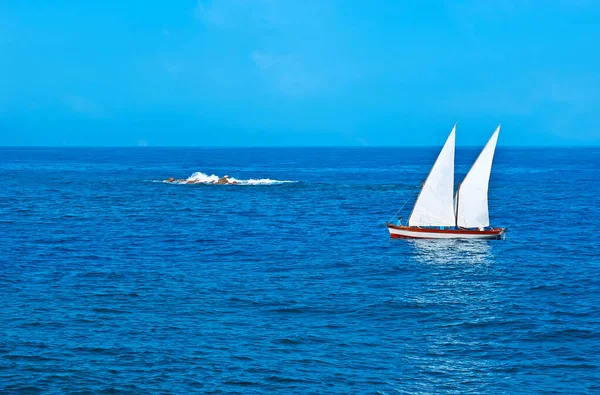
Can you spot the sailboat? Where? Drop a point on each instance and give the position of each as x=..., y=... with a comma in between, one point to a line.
x=439, y=213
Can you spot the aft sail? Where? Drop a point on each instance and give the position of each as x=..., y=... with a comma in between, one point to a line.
x=472, y=195
x=435, y=204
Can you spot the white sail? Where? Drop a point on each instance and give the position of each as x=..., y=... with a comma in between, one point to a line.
x=472, y=196
x=435, y=204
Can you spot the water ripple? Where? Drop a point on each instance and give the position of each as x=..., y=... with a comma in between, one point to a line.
x=110, y=284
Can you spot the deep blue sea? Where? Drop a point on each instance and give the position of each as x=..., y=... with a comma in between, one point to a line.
x=112, y=281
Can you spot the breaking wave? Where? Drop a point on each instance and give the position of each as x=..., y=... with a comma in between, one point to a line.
x=202, y=178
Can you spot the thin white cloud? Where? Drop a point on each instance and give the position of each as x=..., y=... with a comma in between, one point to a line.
x=570, y=102
x=290, y=66
x=287, y=73
x=262, y=14
x=173, y=67
x=211, y=12
x=83, y=106
x=268, y=61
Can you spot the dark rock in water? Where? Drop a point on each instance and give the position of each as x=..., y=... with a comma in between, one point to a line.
x=224, y=180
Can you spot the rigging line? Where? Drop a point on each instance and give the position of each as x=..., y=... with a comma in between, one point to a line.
x=410, y=197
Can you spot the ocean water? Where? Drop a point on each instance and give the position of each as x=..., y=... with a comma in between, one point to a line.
x=112, y=281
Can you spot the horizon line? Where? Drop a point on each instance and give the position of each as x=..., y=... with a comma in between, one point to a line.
x=293, y=146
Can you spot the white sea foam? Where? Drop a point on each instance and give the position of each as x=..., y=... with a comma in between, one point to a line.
x=202, y=178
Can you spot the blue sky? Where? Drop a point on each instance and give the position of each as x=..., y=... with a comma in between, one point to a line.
x=306, y=72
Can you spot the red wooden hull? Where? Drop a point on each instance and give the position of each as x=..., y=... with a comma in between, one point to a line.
x=409, y=232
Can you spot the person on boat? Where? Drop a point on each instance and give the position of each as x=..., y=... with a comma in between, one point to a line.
x=399, y=223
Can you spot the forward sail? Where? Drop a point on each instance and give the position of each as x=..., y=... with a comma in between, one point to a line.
x=435, y=204
x=472, y=195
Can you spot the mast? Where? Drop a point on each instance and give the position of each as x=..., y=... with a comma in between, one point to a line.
x=457, y=201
